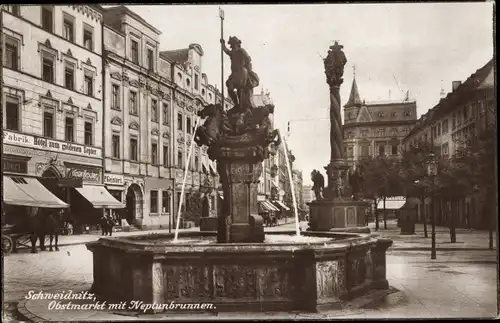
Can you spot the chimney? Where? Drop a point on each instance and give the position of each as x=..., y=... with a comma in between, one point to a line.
x=455, y=85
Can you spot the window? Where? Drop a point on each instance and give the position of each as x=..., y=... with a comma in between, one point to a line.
x=394, y=132
x=439, y=129
x=364, y=133
x=115, y=143
x=88, y=84
x=12, y=113
x=135, y=51
x=154, y=154
x=154, y=202
x=132, y=103
x=48, y=69
x=466, y=112
x=68, y=29
x=47, y=19
x=188, y=124
x=165, y=201
x=69, y=129
x=150, y=60
x=11, y=55
x=16, y=10
x=115, y=97
x=133, y=149
x=196, y=81
x=179, y=121
x=165, y=114
x=154, y=110
x=88, y=37
x=350, y=152
x=381, y=150
x=48, y=124
x=179, y=159
x=365, y=150
x=444, y=127
x=196, y=161
x=381, y=132
x=69, y=77
x=165, y=155
x=394, y=149
x=88, y=133
x=454, y=120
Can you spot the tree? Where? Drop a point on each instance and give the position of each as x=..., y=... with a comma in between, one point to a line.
x=193, y=207
x=379, y=180
x=413, y=175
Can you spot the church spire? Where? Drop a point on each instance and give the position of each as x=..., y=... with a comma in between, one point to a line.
x=354, y=99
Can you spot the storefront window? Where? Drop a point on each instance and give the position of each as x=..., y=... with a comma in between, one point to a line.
x=165, y=202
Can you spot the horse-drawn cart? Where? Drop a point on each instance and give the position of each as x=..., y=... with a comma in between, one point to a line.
x=13, y=238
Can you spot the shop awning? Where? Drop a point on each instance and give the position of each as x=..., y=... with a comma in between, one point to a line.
x=99, y=197
x=282, y=205
x=268, y=206
x=212, y=170
x=391, y=204
x=25, y=191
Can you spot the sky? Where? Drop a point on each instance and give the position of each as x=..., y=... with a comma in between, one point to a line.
x=394, y=47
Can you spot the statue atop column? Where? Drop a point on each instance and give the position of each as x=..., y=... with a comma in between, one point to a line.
x=334, y=65
x=243, y=79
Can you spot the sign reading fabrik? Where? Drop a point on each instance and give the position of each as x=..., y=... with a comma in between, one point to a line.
x=113, y=179
x=17, y=139
x=87, y=174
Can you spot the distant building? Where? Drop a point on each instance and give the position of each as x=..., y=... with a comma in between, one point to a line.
x=307, y=194
x=461, y=114
x=377, y=128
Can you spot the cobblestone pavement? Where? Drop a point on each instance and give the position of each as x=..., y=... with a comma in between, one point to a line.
x=454, y=285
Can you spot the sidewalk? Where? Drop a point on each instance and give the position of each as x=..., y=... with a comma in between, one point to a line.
x=466, y=240
x=84, y=238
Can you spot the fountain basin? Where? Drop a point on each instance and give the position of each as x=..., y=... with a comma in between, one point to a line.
x=280, y=276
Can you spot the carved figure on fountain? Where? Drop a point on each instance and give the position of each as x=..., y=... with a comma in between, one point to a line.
x=243, y=79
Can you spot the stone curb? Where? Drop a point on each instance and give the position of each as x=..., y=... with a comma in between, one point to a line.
x=27, y=315
x=438, y=249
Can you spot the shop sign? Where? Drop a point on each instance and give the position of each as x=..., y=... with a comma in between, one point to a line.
x=15, y=166
x=113, y=179
x=87, y=174
x=17, y=139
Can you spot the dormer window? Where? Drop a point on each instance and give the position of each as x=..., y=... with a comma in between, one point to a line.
x=407, y=113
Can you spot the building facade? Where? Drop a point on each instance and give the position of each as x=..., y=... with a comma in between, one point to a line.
x=152, y=98
x=375, y=129
x=52, y=97
x=461, y=114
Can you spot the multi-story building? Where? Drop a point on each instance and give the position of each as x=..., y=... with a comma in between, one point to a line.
x=307, y=194
x=462, y=113
x=377, y=128
x=52, y=96
x=151, y=101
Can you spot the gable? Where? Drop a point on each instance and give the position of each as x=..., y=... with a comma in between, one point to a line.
x=364, y=115
x=489, y=81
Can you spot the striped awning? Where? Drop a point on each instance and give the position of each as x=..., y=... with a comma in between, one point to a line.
x=27, y=191
x=282, y=205
x=268, y=206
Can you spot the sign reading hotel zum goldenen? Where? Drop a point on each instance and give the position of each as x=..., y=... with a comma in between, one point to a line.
x=49, y=144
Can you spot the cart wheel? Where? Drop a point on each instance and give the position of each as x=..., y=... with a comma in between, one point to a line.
x=7, y=244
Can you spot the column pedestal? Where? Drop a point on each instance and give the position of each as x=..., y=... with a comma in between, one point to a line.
x=337, y=213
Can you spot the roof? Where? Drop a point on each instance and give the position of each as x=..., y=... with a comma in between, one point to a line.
x=449, y=102
x=97, y=7
x=122, y=11
x=176, y=55
x=354, y=98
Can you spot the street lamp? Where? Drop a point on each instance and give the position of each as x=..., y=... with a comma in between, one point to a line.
x=432, y=172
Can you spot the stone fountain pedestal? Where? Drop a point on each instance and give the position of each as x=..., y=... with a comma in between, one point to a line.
x=240, y=166
x=337, y=213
